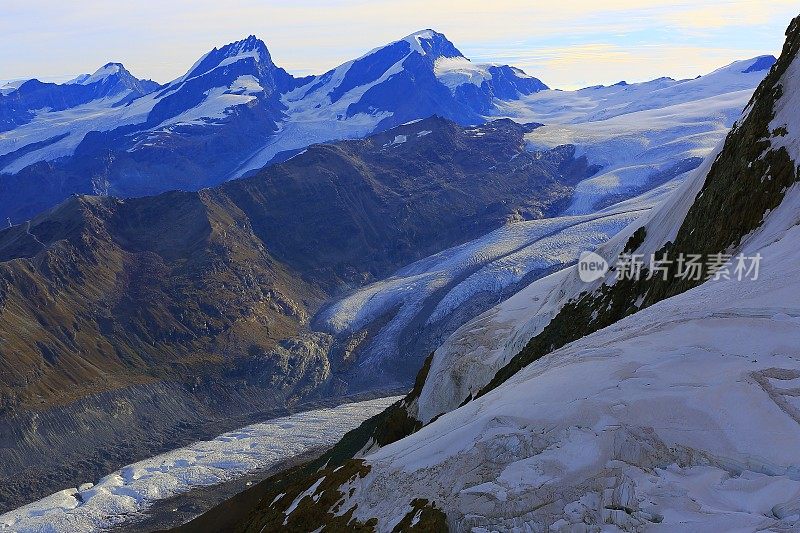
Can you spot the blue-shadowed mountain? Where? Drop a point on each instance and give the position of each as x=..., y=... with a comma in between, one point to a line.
x=233, y=112
x=111, y=83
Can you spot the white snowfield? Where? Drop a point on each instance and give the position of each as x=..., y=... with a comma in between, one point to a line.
x=637, y=131
x=594, y=104
x=125, y=494
x=456, y=71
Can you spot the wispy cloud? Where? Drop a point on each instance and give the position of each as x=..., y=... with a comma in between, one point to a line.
x=592, y=63
x=564, y=43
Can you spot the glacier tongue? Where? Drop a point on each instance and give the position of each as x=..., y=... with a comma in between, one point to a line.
x=125, y=495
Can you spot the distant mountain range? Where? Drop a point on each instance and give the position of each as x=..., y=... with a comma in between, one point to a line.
x=233, y=112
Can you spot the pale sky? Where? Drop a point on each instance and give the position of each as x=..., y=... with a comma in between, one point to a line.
x=565, y=43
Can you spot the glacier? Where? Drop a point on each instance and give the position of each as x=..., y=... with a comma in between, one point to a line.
x=125, y=495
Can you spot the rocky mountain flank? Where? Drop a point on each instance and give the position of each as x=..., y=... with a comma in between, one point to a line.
x=130, y=326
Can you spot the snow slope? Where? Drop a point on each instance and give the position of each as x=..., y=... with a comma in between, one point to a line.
x=598, y=103
x=10, y=86
x=470, y=357
x=71, y=125
x=641, y=133
x=641, y=424
x=118, y=497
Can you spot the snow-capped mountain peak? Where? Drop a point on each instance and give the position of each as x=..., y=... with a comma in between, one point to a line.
x=112, y=79
x=745, y=66
x=251, y=49
x=761, y=63
x=388, y=86
x=432, y=43
x=246, y=63
x=103, y=73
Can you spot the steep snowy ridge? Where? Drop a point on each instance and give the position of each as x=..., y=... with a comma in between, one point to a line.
x=652, y=404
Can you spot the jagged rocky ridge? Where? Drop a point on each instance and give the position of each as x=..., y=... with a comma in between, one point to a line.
x=744, y=198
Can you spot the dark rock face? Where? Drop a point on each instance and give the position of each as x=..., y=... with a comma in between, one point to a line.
x=359, y=207
x=103, y=301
